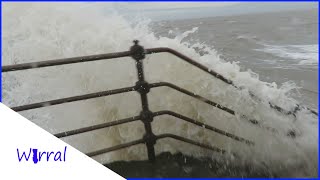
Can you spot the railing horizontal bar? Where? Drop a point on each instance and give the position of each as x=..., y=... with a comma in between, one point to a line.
x=159, y=84
x=179, y=116
x=190, y=142
x=96, y=127
x=205, y=100
x=64, y=61
x=114, y=148
x=72, y=99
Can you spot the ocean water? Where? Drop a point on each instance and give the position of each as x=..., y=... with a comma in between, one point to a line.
x=34, y=32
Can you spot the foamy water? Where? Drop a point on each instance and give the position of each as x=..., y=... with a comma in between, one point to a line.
x=35, y=32
x=304, y=54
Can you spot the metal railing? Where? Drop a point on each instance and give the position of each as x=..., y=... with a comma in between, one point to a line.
x=138, y=53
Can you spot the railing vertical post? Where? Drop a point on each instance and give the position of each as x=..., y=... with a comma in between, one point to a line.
x=142, y=86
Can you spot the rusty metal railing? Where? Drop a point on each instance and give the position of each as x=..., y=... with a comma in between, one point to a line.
x=138, y=53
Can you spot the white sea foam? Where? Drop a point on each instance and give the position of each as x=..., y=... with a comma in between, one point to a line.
x=40, y=31
x=305, y=54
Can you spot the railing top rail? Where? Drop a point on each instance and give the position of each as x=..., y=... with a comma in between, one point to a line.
x=97, y=57
x=64, y=61
x=79, y=59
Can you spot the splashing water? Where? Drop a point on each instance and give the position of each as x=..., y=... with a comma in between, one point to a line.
x=40, y=31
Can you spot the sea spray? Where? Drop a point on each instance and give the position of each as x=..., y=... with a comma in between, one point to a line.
x=41, y=31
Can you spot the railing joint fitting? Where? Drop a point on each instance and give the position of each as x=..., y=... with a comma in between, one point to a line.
x=142, y=87
x=150, y=139
x=137, y=52
x=146, y=116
